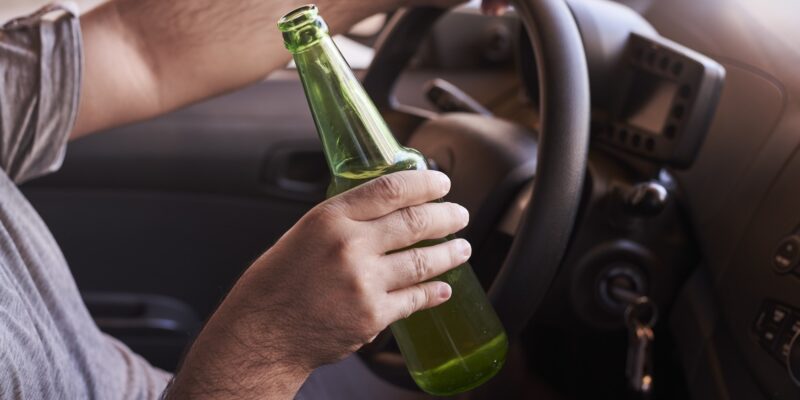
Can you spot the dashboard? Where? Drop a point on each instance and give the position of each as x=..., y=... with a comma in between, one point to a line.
x=743, y=193
x=709, y=90
x=708, y=93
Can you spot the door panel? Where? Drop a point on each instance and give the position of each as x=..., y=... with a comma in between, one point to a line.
x=182, y=204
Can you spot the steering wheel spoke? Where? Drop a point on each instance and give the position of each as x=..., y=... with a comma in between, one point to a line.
x=404, y=120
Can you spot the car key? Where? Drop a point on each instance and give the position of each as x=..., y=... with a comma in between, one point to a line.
x=640, y=317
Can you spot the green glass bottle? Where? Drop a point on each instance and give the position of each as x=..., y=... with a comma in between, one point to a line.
x=451, y=348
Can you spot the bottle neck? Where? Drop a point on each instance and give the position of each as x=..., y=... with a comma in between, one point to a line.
x=354, y=135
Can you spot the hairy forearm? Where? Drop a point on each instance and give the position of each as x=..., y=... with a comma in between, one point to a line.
x=235, y=357
x=147, y=57
x=202, y=47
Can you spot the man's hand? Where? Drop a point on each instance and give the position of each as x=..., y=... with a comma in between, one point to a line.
x=328, y=287
x=494, y=7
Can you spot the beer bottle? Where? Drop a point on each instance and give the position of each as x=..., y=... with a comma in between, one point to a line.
x=448, y=349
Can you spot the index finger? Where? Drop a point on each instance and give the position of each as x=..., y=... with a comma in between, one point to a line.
x=392, y=192
x=494, y=7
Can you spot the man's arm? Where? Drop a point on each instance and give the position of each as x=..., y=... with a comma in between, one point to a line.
x=148, y=57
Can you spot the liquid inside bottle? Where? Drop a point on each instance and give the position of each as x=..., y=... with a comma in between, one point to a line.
x=448, y=349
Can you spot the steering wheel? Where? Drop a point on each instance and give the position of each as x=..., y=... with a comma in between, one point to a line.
x=546, y=226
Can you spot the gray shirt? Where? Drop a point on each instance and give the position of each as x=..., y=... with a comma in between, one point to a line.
x=50, y=347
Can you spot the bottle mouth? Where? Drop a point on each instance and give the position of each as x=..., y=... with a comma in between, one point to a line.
x=302, y=28
x=298, y=18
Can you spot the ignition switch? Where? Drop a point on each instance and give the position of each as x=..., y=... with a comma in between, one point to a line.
x=620, y=284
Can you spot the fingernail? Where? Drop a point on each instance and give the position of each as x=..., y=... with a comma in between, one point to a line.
x=466, y=248
x=445, y=291
x=444, y=182
x=464, y=214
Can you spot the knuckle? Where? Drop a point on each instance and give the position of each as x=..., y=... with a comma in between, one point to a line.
x=417, y=302
x=365, y=290
x=390, y=187
x=413, y=305
x=326, y=213
x=414, y=219
x=373, y=322
x=342, y=249
x=370, y=324
x=425, y=297
x=420, y=264
x=357, y=287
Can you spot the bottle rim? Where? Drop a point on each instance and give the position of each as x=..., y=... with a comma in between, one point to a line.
x=298, y=18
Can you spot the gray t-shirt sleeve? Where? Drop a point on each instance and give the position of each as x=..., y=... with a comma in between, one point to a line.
x=50, y=348
x=40, y=80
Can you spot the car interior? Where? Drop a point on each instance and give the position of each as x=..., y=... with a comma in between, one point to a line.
x=631, y=168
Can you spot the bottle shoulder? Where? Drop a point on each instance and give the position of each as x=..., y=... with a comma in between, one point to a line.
x=344, y=178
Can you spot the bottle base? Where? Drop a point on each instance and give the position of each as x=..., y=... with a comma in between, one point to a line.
x=464, y=373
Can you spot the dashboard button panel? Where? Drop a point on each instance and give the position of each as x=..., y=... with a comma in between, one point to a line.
x=793, y=359
x=787, y=255
x=775, y=328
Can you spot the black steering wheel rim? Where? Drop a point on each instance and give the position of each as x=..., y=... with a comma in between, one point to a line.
x=565, y=113
x=564, y=100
